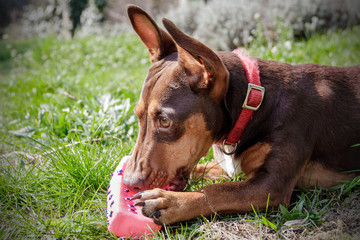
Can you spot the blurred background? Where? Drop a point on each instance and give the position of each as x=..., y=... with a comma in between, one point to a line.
x=223, y=24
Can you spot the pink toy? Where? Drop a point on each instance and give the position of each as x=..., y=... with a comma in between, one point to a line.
x=123, y=218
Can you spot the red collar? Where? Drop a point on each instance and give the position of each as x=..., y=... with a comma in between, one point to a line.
x=254, y=97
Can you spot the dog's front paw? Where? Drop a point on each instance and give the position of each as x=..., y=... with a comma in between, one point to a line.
x=158, y=204
x=167, y=207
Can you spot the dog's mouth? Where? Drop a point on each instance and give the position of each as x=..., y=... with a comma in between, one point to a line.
x=179, y=182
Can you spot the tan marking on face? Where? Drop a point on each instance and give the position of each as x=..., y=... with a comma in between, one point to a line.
x=323, y=88
x=153, y=107
x=187, y=151
x=253, y=158
x=316, y=174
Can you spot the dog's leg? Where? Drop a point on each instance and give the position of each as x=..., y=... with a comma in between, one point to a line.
x=240, y=197
x=211, y=171
x=272, y=179
x=168, y=207
x=273, y=171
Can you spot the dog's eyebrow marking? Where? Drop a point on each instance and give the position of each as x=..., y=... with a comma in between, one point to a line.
x=323, y=88
x=154, y=107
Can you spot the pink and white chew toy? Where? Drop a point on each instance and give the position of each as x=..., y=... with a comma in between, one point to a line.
x=123, y=218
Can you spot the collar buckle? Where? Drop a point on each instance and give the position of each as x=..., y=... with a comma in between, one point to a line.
x=257, y=97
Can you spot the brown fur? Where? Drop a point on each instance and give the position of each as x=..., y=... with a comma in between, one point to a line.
x=253, y=158
x=302, y=133
x=210, y=171
x=315, y=174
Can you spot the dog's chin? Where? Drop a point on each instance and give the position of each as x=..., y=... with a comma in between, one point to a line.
x=178, y=183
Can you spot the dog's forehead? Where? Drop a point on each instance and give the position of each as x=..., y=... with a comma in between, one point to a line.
x=164, y=84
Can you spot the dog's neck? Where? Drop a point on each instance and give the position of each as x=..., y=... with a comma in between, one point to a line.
x=238, y=85
x=254, y=97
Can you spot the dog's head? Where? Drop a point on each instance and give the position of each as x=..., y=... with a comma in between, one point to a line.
x=180, y=108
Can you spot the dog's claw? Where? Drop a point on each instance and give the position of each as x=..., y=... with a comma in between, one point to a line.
x=139, y=204
x=155, y=214
x=136, y=196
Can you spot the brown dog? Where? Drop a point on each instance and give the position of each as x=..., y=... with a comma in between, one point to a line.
x=303, y=133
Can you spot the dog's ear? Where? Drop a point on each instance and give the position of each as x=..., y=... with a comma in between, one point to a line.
x=205, y=69
x=158, y=42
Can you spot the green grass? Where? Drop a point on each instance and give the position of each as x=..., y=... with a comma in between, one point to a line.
x=69, y=104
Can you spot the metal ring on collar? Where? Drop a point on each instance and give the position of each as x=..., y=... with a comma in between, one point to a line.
x=223, y=148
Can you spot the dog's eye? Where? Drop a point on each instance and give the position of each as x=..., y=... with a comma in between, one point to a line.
x=164, y=122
